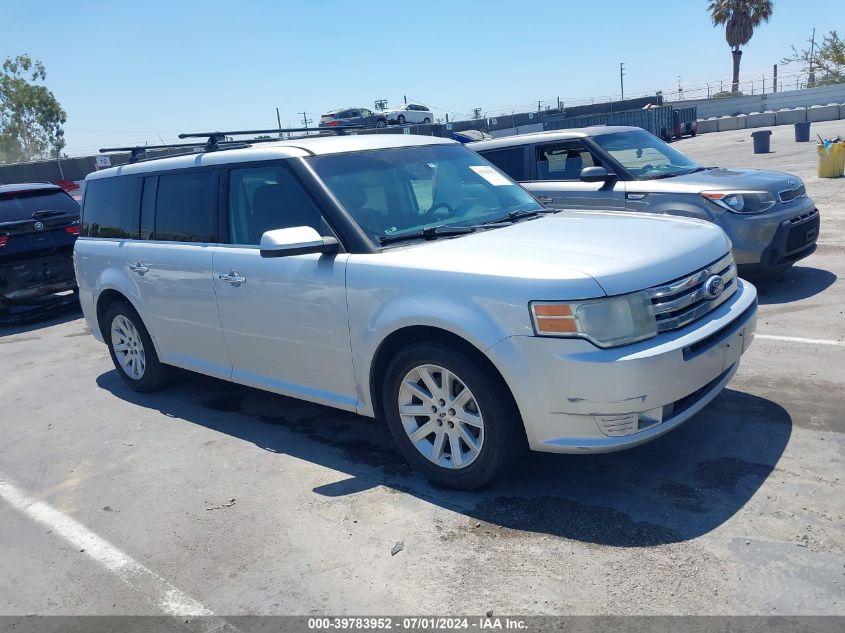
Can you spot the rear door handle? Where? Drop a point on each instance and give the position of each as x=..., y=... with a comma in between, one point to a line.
x=232, y=277
x=139, y=268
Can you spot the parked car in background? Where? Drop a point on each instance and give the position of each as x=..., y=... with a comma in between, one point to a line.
x=405, y=277
x=408, y=113
x=768, y=215
x=39, y=223
x=353, y=116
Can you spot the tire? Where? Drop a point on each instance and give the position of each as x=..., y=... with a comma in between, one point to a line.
x=401, y=119
x=693, y=132
x=124, y=328
x=381, y=123
x=494, y=427
x=426, y=121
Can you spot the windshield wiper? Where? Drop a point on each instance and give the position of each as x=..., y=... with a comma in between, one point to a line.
x=428, y=233
x=520, y=214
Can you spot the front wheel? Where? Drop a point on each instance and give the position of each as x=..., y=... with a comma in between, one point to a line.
x=401, y=119
x=426, y=121
x=450, y=417
x=131, y=349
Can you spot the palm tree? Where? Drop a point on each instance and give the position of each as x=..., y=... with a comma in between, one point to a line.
x=740, y=18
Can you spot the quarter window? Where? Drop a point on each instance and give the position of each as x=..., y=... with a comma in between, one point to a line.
x=185, y=207
x=265, y=198
x=111, y=207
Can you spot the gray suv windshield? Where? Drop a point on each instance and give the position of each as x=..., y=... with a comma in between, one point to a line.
x=392, y=192
x=646, y=157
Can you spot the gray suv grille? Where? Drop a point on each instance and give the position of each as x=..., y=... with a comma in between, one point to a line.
x=684, y=300
x=790, y=194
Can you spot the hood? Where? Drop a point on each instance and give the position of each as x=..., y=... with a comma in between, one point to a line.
x=622, y=252
x=720, y=179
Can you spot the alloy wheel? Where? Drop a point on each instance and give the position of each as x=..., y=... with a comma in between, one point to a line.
x=128, y=347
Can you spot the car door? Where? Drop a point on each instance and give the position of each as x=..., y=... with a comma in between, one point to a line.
x=284, y=318
x=170, y=267
x=556, y=178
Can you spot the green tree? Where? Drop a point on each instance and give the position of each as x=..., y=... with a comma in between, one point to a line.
x=740, y=18
x=31, y=117
x=827, y=58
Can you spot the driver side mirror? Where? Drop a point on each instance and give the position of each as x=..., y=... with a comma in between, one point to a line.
x=596, y=174
x=298, y=240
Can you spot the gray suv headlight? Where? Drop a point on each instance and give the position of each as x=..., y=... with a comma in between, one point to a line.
x=742, y=201
x=607, y=322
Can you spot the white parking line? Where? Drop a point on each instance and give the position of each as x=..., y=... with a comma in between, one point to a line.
x=798, y=339
x=167, y=598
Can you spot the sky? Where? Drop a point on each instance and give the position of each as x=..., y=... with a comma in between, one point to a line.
x=136, y=72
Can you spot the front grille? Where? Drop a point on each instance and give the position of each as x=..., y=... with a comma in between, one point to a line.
x=804, y=230
x=684, y=300
x=788, y=195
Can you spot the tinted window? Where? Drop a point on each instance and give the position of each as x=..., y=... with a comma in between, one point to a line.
x=266, y=198
x=563, y=161
x=148, y=208
x=185, y=207
x=21, y=205
x=111, y=207
x=645, y=155
x=511, y=161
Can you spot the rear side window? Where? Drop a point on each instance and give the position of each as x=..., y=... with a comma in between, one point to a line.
x=25, y=205
x=112, y=207
x=185, y=207
x=511, y=161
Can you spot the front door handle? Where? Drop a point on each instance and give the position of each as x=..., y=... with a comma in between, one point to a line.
x=139, y=268
x=232, y=277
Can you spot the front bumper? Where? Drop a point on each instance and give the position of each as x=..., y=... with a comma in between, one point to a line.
x=770, y=240
x=575, y=397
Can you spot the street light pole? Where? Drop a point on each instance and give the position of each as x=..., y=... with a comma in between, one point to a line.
x=622, y=79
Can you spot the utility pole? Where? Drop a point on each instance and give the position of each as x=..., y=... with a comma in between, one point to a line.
x=775, y=78
x=811, y=80
x=305, y=119
x=380, y=104
x=279, y=121
x=680, y=90
x=406, y=98
x=476, y=113
x=622, y=79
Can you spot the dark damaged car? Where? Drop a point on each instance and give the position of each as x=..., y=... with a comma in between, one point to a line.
x=39, y=223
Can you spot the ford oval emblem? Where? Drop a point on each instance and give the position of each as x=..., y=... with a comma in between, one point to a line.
x=713, y=286
x=39, y=226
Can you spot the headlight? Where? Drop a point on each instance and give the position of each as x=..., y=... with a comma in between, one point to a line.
x=607, y=322
x=742, y=201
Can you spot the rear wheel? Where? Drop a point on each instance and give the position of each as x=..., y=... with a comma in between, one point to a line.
x=131, y=349
x=426, y=121
x=401, y=119
x=450, y=418
x=381, y=123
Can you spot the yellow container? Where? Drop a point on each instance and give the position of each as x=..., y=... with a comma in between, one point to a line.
x=831, y=160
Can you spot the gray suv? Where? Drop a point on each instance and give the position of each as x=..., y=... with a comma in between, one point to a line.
x=768, y=215
x=353, y=116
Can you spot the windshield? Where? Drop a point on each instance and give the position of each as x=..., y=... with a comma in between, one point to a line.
x=645, y=156
x=390, y=192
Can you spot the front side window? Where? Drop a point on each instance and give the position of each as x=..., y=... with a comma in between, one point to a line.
x=563, y=161
x=266, y=198
x=185, y=207
x=112, y=207
x=394, y=191
x=644, y=155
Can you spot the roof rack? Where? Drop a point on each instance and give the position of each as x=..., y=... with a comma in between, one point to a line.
x=222, y=140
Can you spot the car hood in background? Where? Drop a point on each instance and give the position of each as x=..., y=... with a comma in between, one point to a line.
x=622, y=252
x=719, y=179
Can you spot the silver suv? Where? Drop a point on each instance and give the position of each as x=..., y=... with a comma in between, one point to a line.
x=768, y=215
x=406, y=278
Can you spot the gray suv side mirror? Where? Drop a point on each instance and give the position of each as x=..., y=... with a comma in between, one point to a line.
x=298, y=240
x=595, y=174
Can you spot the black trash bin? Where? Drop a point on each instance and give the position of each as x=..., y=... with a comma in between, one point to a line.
x=802, y=132
x=761, y=141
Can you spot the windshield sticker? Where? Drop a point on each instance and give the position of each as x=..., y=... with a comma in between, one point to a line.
x=490, y=175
